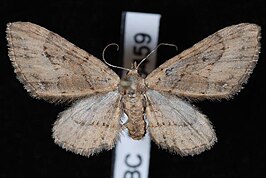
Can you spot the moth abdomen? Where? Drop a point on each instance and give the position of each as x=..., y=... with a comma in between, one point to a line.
x=132, y=88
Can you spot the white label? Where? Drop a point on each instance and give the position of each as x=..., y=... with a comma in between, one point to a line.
x=140, y=37
x=141, y=32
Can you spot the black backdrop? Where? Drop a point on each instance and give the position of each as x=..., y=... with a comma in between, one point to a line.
x=27, y=149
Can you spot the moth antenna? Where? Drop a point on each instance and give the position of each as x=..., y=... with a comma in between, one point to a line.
x=117, y=48
x=161, y=44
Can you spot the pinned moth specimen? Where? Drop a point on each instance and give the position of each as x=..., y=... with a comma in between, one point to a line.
x=56, y=70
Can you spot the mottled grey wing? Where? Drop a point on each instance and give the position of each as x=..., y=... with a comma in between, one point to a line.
x=175, y=125
x=90, y=125
x=54, y=69
x=214, y=68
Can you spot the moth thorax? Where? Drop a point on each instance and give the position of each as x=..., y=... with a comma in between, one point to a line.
x=132, y=83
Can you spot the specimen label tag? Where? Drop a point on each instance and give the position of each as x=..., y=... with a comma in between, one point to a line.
x=140, y=35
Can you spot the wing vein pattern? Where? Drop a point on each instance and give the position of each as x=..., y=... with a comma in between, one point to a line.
x=90, y=125
x=214, y=68
x=177, y=126
x=54, y=69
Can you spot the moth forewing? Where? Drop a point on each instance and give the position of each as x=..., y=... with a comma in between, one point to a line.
x=214, y=68
x=54, y=69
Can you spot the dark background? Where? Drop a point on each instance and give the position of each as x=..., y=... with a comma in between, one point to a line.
x=27, y=149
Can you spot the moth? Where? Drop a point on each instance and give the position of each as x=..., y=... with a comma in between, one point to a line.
x=53, y=69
